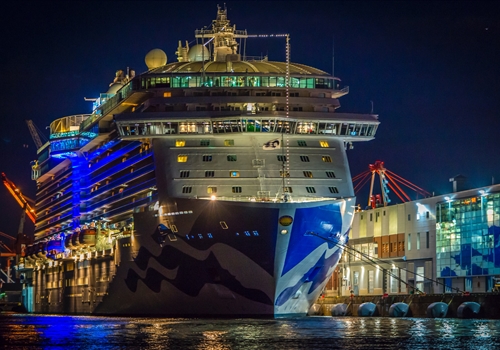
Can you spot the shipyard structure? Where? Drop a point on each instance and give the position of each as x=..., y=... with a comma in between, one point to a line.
x=214, y=185
x=445, y=244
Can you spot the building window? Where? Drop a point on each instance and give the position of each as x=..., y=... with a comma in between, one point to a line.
x=234, y=173
x=180, y=143
x=418, y=240
x=333, y=189
x=228, y=142
x=323, y=143
x=330, y=174
x=211, y=189
x=409, y=241
x=310, y=190
x=207, y=157
x=209, y=173
x=184, y=173
x=302, y=143
x=187, y=189
x=308, y=173
x=182, y=158
x=231, y=157
x=304, y=158
x=204, y=142
x=326, y=159
x=236, y=189
x=281, y=158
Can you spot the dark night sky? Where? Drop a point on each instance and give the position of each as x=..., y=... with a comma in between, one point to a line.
x=430, y=68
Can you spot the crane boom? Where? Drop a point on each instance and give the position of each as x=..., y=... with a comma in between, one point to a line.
x=34, y=134
x=18, y=196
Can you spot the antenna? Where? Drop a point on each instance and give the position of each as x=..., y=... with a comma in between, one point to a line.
x=333, y=56
x=371, y=112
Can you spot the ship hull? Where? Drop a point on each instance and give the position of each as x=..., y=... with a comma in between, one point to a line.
x=224, y=259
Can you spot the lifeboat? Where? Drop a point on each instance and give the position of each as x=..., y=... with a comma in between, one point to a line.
x=68, y=241
x=367, y=309
x=87, y=237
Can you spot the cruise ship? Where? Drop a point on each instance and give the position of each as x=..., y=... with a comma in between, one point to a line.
x=216, y=185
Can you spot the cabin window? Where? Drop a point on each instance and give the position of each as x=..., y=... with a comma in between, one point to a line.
x=333, y=189
x=326, y=159
x=236, y=189
x=182, y=158
x=228, y=142
x=324, y=144
x=205, y=143
x=231, y=158
x=207, y=157
x=180, y=143
x=184, y=173
x=302, y=143
x=209, y=173
x=304, y=158
x=310, y=190
x=330, y=174
x=281, y=158
x=308, y=174
x=187, y=189
x=211, y=189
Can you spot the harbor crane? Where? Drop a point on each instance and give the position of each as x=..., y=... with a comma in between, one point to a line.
x=388, y=181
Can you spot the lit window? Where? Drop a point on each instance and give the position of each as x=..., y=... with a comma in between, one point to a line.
x=180, y=143
x=211, y=189
x=334, y=189
x=326, y=159
x=330, y=174
x=234, y=174
x=207, y=158
x=185, y=173
x=231, y=158
x=301, y=143
x=310, y=190
x=182, y=158
x=167, y=94
x=228, y=142
x=308, y=173
x=323, y=144
x=236, y=189
x=209, y=173
x=304, y=158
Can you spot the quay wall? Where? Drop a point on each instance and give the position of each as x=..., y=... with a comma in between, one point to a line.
x=490, y=304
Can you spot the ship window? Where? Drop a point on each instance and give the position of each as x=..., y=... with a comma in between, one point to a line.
x=223, y=225
x=287, y=189
x=308, y=173
x=184, y=173
x=281, y=158
x=330, y=174
x=182, y=158
x=234, y=173
x=304, y=158
x=310, y=190
x=180, y=143
x=297, y=109
x=323, y=143
x=231, y=157
x=333, y=189
x=211, y=189
x=209, y=173
x=167, y=94
x=301, y=143
x=207, y=157
x=236, y=189
x=228, y=142
x=205, y=143
x=187, y=189
x=326, y=159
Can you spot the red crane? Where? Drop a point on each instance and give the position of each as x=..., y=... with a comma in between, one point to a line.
x=388, y=181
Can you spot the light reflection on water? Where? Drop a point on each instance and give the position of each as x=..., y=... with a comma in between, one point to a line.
x=82, y=332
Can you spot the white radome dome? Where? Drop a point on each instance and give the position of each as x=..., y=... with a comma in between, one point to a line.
x=198, y=53
x=155, y=58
